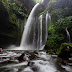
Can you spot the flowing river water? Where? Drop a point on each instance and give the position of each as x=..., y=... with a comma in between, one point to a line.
x=44, y=63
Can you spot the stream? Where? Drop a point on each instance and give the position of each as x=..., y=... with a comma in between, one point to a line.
x=44, y=63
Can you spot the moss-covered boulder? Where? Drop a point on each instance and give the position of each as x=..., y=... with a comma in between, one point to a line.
x=65, y=53
x=63, y=45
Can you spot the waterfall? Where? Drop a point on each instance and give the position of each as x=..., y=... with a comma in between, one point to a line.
x=68, y=35
x=40, y=18
x=35, y=32
x=46, y=25
x=28, y=26
x=48, y=21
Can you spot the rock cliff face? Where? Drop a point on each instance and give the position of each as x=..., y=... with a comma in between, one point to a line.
x=7, y=29
x=13, y=13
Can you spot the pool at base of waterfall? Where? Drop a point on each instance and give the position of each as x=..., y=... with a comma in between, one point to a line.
x=30, y=61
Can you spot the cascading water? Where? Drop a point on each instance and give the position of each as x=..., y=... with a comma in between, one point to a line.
x=48, y=20
x=27, y=29
x=68, y=36
x=46, y=25
x=40, y=18
x=35, y=32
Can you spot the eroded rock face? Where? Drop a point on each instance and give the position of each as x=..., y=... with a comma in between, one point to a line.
x=6, y=28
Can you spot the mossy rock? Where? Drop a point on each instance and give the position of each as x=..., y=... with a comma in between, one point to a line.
x=50, y=52
x=62, y=46
x=71, y=54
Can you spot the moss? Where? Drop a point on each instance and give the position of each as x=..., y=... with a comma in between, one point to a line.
x=71, y=54
x=16, y=15
x=50, y=52
x=62, y=46
x=37, y=1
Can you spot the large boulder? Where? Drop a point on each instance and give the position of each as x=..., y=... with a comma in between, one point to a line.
x=28, y=56
x=64, y=52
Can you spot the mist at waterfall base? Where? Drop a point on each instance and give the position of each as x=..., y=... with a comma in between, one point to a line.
x=35, y=35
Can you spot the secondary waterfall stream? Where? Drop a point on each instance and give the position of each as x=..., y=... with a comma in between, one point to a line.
x=40, y=30
x=48, y=20
x=68, y=36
